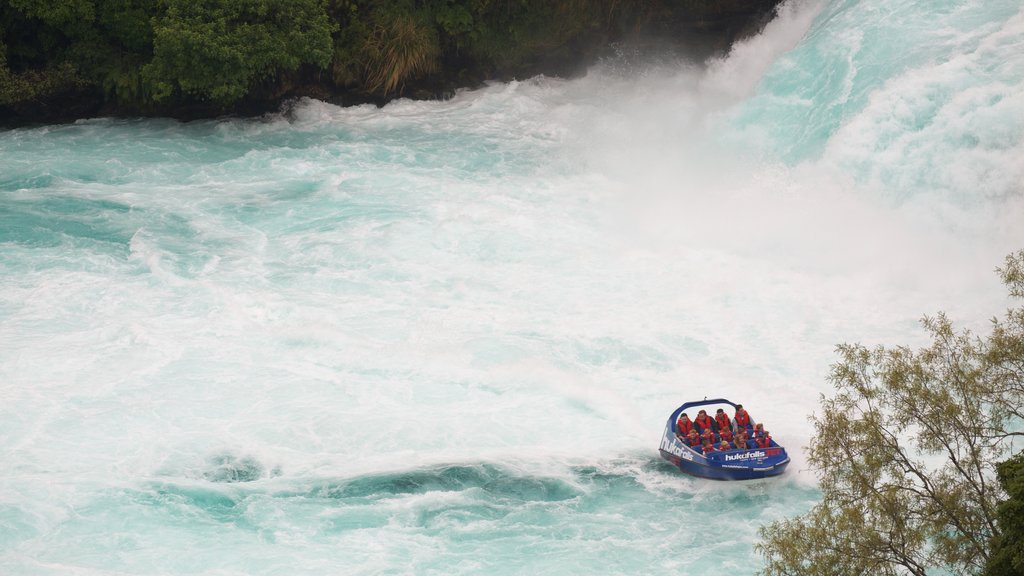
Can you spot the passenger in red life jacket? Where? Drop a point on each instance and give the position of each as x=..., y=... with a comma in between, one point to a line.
x=741, y=440
x=723, y=420
x=693, y=438
x=708, y=435
x=702, y=421
x=742, y=418
x=708, y=447
x=725, y=434
x=724, y=446
x=761, y=437
x=683, y=425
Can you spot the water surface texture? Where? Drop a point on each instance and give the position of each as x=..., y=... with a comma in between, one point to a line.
x=443, y=337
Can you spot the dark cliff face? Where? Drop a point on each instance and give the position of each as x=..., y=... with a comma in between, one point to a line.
x=513, y=46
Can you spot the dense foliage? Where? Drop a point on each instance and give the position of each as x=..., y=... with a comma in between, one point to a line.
x=217, y=49
x=1007, y=558
x=906, y=453
x=144, y=56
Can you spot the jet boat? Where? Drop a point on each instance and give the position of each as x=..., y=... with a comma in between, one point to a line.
x=733, y=464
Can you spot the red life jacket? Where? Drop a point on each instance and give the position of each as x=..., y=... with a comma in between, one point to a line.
x=684, y=427
x=703, y=423
x=695, y=441
x=723, y=420
x=764, y=441
x=709, y=448
x=742, y=418
x=726, y=434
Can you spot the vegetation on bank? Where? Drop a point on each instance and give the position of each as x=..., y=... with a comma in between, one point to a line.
x=913, y=457
x=201, y=57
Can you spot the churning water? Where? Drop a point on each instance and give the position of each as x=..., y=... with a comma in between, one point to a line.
x=443, y=337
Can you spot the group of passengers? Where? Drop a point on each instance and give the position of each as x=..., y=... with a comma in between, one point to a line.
x=706, y=434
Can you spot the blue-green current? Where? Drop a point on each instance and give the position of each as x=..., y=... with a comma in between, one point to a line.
x=443, y=337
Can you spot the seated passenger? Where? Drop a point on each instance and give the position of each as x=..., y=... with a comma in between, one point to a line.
x=723, y=420
x=761, y=436
x=708, y=435
x=693, y=439
x=742, y=419
x=724, y=446
x=683, y=425
x=741, y=439
x=702, y=421
x=726, y=434
x=708, y=447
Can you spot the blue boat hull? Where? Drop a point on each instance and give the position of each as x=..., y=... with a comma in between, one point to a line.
x=712, y=472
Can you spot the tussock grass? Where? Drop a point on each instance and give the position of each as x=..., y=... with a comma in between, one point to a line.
x=398, y=49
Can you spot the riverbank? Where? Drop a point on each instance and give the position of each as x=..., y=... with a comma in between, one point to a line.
x=188, y=64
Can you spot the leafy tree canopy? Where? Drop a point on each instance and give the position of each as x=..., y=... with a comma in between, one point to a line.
x=217, y=49
x=1007, y=557
x=57, y=13
x=906, y=453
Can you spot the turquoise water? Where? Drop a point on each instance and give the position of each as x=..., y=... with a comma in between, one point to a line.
x=443, y=337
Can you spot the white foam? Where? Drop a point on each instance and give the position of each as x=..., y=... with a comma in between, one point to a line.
x=532, y=275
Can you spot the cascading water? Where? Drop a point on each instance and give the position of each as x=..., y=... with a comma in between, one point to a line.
x=443, y=337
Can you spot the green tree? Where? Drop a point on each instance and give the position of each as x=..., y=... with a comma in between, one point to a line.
x=24, y=87
x=217, y=49
x=1007, y=558
x=906, y=453
x=57, y=49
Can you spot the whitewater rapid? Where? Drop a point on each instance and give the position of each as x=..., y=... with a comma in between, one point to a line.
x=443, y=337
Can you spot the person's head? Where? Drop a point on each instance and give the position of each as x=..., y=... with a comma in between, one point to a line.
x=702, y=413
x=720, y=411
x=707, y=442
x=724, y=445
x=683, y=416
x=739, y=408
x=693, y=433
x=758, y=426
